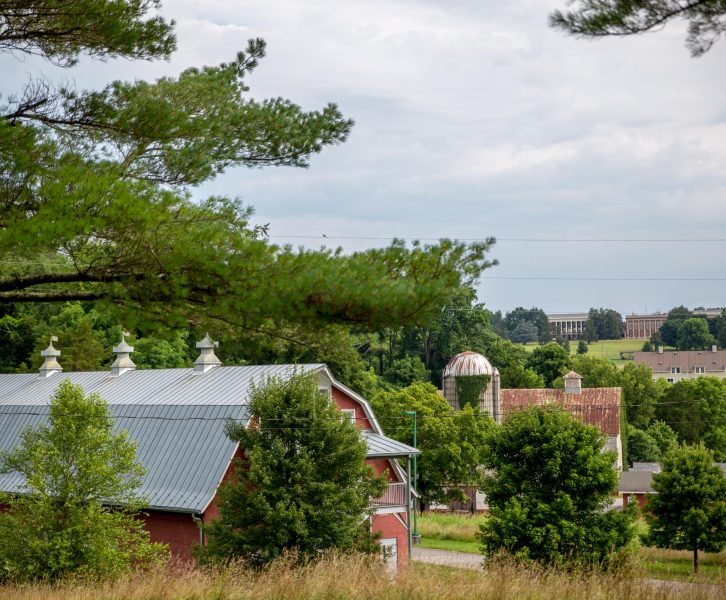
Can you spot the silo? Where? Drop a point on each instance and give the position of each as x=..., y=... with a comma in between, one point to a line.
x=472, y=369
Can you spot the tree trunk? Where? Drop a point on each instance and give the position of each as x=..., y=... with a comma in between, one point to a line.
x=695, y=559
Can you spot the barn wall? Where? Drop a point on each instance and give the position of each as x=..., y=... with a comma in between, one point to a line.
x=342, y=400
x=390, y=527
x=641, y=499
x=176, y=529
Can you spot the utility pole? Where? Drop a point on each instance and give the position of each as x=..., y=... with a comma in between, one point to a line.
x=416, y=536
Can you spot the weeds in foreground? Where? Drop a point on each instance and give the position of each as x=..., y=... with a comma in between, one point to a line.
x=362, y=578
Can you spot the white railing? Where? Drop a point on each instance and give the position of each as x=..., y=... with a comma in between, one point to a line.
x=395, y=496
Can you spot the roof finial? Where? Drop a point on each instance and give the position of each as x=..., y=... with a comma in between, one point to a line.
x=50, y=354
x=123, y=361
x=207, y=358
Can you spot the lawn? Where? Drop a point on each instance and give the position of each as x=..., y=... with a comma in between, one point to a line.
x=458, y=533
x=607, y=349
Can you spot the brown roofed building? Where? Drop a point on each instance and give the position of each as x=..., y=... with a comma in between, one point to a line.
x=675, y=365
x=599, y=407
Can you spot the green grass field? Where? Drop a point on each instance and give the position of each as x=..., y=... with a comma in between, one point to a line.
x=458, y=533
x=607, y=349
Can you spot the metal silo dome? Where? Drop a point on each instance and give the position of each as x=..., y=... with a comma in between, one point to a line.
x=469, y=363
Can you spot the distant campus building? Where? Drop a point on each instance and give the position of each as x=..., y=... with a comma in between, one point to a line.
x=570, y=326
x=642, y=327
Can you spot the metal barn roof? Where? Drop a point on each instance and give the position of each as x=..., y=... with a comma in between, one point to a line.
x=380, y=446
x=175, y=416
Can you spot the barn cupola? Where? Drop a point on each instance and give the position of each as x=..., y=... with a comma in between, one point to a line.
x=50, y=354
x=573, y=383
x=207, y=358
x=123, y=361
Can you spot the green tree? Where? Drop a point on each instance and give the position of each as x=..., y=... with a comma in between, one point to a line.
x=405, y=371
x=550, y=361
x=95, y=200
x=154, y=353
x=78, y=514
x=641, y=446
x=688, y=512
x=525, y=332
x=597, y=18
x=535, y=316
x=696, y=410
x=693, y=334
x=582, y=347
x=301, y=483
x=640, y=393
x=557, y=516
x=510, y=360
x=665, y=438
x=606, y=322
x=450, y=441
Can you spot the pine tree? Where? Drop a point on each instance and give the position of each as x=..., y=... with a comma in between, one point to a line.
x=301, y=484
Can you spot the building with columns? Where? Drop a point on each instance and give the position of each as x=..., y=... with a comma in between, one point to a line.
x=570, y=326
x=642, y=327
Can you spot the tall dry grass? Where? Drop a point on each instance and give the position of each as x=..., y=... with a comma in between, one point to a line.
x=359, y=578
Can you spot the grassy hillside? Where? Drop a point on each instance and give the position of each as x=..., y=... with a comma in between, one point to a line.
x=607, y=349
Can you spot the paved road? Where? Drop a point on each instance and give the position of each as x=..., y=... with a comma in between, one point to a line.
x=447, y=557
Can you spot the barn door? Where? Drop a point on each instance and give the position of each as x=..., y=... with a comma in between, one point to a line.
x=389, y=547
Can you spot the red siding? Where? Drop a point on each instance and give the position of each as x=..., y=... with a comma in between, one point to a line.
x=641, y=499
x=176, y=529
x=342, y=400
x=390, y=527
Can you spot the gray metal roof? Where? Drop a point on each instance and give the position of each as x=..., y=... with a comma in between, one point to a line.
x=380, y=446
x=176, y=417
x=636, y=482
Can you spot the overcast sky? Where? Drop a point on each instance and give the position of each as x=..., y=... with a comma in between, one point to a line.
x=474, y=119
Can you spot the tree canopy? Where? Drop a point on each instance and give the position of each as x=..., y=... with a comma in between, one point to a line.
x=689, y=510
x=96, y=192
x=547, y=484
x=78, y=513
x=301, y=482
x=450, y=441
x=596, y=18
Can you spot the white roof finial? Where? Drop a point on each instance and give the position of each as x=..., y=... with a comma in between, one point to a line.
x=123, y=361
x=207, y=358
x=50, y=354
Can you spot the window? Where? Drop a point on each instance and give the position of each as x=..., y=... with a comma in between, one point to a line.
x=700, y=369
x=325, y=391
x=669, y=380
x=349, y=413
x=675, y=369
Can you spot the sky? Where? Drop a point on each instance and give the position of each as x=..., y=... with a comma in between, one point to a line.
x=474, y=119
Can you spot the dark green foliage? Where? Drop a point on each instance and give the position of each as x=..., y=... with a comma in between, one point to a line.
x=582, y=347
x=696, y=410
x=524, y=333
x=301, y=483
x=79, y=516
x=641, y=447
x=669, y=330
x=693, y=334
x=95, y=200
x=547, y=485
x=451, y=441
x=405, y=371
x=689, y=510
x=550, y=361
x=469, y=388
x=596, y=18
x=534, y=316
x=605, y=322
x=663, y=435
x=647, y=346
x=60, y=30
x=510, y=359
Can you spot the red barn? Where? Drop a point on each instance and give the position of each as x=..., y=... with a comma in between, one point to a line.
x=177, y=416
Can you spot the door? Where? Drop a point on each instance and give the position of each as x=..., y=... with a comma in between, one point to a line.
x=389, y=547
